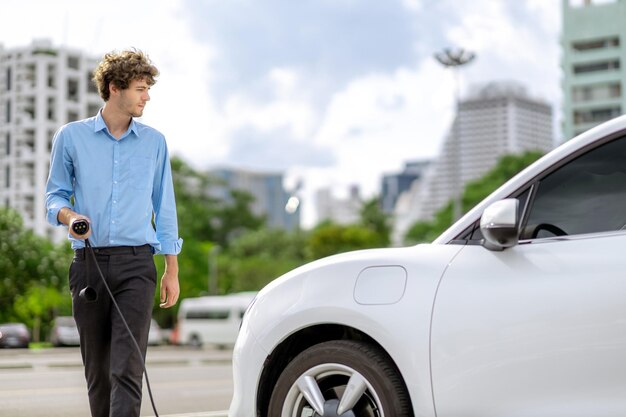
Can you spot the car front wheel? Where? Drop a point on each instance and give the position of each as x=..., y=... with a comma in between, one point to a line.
x=340, y=378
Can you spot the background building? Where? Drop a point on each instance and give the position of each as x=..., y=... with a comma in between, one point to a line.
x=395, y=184
x=494, y=120
x=593, y=44
x=339, y=210
x=270, y=196
x=41, y=88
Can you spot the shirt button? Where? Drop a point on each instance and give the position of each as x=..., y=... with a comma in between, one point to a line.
x=114, y=201
x=113, y=221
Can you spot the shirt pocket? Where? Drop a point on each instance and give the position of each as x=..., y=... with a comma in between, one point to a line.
x=141, y=172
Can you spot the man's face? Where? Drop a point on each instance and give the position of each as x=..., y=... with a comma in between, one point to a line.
x=133, y=99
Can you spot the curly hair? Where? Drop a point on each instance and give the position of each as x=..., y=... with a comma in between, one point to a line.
x=120, y=68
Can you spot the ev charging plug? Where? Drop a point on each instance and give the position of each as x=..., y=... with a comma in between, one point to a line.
x=88, y=294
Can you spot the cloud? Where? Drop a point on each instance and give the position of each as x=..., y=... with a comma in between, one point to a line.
x=373, y=123
x=273, y=150
x=334, y=92
x=510, y=42
x=329, y=41
x=350, y=89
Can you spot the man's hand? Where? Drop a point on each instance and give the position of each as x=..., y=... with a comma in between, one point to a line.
x=68, y=217
x=170, y=289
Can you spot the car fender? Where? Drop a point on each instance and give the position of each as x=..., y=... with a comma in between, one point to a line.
x=401, y=327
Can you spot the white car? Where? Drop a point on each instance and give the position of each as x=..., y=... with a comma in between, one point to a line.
x=155, y=334
x=64, y=332
x=518, y=309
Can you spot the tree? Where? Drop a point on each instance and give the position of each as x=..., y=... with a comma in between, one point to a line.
x=193, y=264
x=373, y=218
x=33, y=273
x=204, y=222
x=235, y=217
x=257, y=257
x=194, y=204
x=38, y=307
x=202, y=216
x=475, y=191
x=330, y=238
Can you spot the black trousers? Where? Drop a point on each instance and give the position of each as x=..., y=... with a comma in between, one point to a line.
x=113, y=367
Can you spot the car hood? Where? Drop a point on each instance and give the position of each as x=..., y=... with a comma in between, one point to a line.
x=355, y=260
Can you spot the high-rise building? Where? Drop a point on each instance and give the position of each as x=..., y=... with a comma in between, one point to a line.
x=594, y=45
x=41, y=88
x=393, y=185
x=494, y=120
x=270, y=196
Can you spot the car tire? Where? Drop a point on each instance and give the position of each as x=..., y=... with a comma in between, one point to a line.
x=321, y=373
x=195, y=341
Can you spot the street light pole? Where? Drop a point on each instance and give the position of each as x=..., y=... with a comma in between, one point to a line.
x=454, y=60
x=213, y=252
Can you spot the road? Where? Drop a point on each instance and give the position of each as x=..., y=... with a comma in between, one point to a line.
x=49, y=383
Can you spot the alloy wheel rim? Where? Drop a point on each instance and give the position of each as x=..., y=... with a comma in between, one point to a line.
x=332, y=390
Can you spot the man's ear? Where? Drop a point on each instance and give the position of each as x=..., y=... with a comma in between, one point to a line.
x=113, y=89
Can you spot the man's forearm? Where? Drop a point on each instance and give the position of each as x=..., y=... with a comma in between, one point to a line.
x=66, y=216
x=171, y=264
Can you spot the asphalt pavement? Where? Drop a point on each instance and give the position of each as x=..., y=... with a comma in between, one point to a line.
x=69, y=357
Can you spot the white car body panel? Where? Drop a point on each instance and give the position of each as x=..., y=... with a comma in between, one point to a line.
x=280, y=310
x=248, y=369
x=474, y=332
x=500, y=344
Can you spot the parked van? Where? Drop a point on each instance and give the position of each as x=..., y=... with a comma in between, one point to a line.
x=212, y=319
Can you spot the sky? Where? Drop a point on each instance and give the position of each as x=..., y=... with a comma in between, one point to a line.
x=330, y=92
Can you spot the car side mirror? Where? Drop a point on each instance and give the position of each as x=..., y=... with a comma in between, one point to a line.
x=499, y=224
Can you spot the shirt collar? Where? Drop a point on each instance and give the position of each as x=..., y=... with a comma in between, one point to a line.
x=101, y=125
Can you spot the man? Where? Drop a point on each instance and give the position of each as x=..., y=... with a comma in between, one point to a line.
x=115, y=173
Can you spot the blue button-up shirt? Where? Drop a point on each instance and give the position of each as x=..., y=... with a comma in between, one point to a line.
x=118, y=183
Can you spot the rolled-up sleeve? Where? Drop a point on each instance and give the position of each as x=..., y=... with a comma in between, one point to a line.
x=164, y=204
x=59, y=187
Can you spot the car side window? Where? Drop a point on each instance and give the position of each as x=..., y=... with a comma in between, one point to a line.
x=587, y=195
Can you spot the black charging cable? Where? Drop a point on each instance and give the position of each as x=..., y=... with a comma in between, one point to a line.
x=80, y=227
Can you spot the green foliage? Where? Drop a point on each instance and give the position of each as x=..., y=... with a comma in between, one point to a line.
x=506, y=168
x=193, y=264
x=372, y=231
x=257, y=257
x=270, y=243
x=204, y=218
x=203, y=222
x=329, y=239
x=194, y=205
x=252, y=273
x=40, y=305
x=236, y=218
x=373, y=218
x=33, y=274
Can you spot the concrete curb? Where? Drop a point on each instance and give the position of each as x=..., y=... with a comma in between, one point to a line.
x=70, y=357
x=201, y=414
